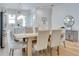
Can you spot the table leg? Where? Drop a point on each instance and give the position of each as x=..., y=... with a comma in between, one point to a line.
x=29, y=47
x=23, y=49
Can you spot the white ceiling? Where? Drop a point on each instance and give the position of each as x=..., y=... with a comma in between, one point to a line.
x=31, y=6
x=24, y=6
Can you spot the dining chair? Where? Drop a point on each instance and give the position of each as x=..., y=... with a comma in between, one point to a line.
x=19, y=30
x=63, y=38
x=55, y=40
x=36, y=29
x=29, y=30
x=42, y=41
x=12, y=44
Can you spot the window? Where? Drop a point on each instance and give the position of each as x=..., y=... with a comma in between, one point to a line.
x=21, y=20
x=11, y=18
x=29, y=21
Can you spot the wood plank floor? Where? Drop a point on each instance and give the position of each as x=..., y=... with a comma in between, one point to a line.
x=72, y=49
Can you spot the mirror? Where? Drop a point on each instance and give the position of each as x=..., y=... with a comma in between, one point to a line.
x=69, y=21
x=44, y=21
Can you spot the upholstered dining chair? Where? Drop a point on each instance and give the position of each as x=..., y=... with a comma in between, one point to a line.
x=42, y=41
x=63, y=37
x=36, y=29
x=55, y=40
x=12, y=44
x=28, y=29
x=19, y=29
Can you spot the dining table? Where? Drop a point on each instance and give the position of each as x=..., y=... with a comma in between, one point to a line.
x=30, y=37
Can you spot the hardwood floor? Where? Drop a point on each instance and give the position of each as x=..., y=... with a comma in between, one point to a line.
x=72, y=49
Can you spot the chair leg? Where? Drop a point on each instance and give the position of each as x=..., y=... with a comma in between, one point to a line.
x=23, y=39
x=51, y=51
x=41, y=52
x=12, y=52
x=45, y=52
x=64, y=44
x=23, y=49
x=37, y=52
x=58, y=50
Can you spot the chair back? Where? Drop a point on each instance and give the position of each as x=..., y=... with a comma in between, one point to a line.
x=36, y=29
x=19, y=30
x=10, y=38
x=42, y=40
x=29, y=30
x=55, y=38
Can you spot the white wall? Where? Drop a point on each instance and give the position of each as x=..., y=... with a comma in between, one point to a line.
x=38, y=12
x=59, y=12
x=43, y=12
